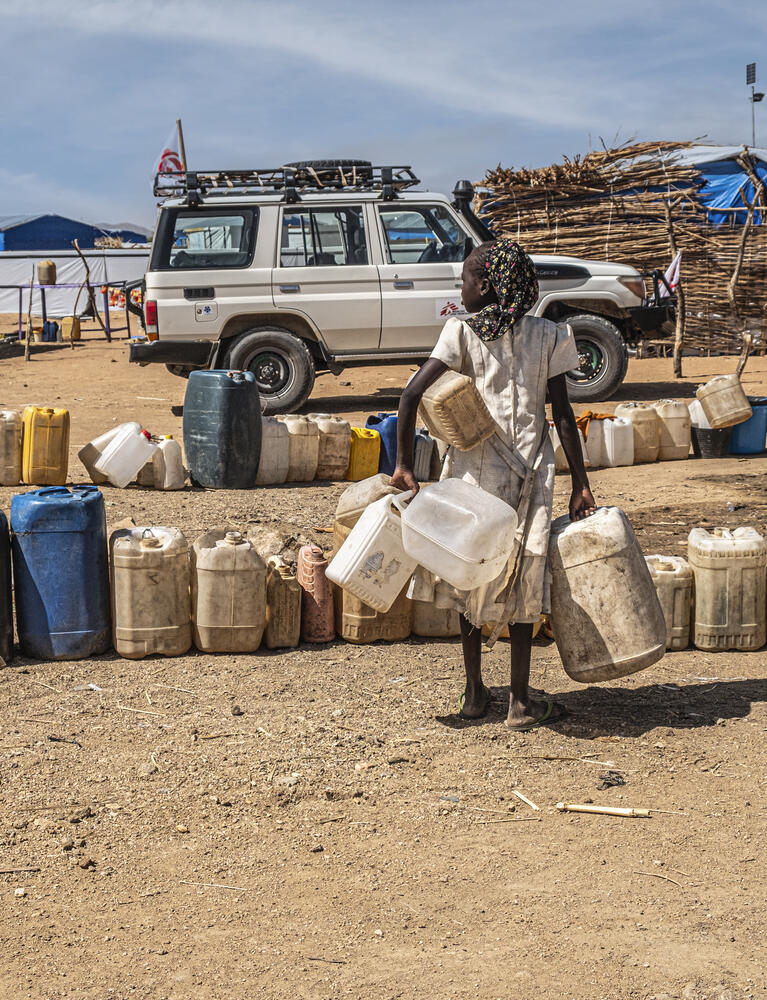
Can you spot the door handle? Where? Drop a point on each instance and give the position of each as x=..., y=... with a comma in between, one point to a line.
x=403, y=284
x=290, y=288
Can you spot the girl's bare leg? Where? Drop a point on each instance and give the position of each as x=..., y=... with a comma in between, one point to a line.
x=522, y=708
x=475, y=696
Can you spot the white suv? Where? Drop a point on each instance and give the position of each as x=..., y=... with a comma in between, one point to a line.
x=323, y=265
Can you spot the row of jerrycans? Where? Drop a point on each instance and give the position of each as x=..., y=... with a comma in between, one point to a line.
x=296, y=448
x=34, y=446
x=638, y=433
x=718, y=596
x=225, y=595
x=221, y=594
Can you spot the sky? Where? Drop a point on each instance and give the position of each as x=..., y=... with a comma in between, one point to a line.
x=91, y=89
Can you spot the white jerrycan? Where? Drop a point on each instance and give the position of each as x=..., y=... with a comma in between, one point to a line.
x=168, y=465
x=127, y=452
x=372, y=563
x=459, y=532
x=90, y=453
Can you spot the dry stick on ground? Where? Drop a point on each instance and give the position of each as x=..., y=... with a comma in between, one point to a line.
x=629, y=813
x=525, y=799
x=658, y=875
x=139, y=711
x=17, y=871
x=214, y=885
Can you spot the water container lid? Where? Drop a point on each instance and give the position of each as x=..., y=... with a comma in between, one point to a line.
x=150, y=542
x=233, y=538
x=312, y=553
x=167, y=437
x=146, y=434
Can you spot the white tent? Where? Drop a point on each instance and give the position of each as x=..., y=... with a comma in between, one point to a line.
x=105, y=265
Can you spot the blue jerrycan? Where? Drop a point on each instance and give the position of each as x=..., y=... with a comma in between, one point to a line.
x=61, y=572
x=222, y=429
x=6, y=613
x=386, y=425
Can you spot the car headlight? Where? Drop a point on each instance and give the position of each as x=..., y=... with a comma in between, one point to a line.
x=634, y=283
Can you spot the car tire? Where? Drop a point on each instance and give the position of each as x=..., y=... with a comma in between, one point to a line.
x=327, y=164
x=282, y=365
x=604, y=359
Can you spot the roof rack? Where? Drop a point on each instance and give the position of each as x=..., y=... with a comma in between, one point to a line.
x=289, y=180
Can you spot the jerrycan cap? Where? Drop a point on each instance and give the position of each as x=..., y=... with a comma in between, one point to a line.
x=236, y=376
x=233, y=538
x=146, y=434
x=167, y=437
x=150, y=541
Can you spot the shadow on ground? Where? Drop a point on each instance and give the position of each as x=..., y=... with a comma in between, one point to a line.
x=613, y=711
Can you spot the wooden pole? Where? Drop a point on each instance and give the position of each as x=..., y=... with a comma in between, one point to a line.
x=29, y=316
x=680, y=303
x=181, y=146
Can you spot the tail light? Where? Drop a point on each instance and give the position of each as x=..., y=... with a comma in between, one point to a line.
x=150, y=319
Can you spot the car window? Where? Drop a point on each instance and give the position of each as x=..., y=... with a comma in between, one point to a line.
x=191, y=238
x=422, y=235
x=323, y=237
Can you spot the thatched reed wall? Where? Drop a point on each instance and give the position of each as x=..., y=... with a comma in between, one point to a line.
x=634, y=204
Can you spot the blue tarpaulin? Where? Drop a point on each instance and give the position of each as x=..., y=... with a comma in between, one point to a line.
x=726, y=181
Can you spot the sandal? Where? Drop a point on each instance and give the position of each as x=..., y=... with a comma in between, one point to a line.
x=488, y=698
x=554, y=713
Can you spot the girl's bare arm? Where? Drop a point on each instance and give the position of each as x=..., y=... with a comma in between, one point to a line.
x=430, y=371
x=582, y=502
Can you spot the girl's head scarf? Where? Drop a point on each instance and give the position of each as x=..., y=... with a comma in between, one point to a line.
x=511, y=272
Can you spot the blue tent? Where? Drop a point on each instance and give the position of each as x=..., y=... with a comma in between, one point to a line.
x=726, y=181
x=55, y=232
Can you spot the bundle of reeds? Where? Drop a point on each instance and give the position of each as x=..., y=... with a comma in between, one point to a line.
x=637, y=204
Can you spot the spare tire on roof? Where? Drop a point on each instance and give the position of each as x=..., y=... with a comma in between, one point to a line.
x=328, y=164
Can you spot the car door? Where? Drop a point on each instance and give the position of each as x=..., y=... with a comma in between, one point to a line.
x=324, y=271
x=424, y=247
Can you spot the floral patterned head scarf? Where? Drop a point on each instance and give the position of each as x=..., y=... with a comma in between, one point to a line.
x=512, y=274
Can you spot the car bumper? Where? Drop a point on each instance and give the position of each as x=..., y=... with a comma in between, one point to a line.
x=656, y=320
x=171, y=352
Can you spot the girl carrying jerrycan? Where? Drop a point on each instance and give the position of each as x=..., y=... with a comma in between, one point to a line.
x=514, y=359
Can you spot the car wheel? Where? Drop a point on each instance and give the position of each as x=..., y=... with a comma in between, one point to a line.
x=282, y=365
x=603, y=356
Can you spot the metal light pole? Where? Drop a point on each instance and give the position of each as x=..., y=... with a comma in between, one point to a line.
x=754, y=98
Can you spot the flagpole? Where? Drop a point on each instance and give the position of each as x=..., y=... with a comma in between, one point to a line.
x=181, y=146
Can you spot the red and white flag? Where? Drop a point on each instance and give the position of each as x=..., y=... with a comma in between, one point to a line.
x=169, y=159
x=672, y=275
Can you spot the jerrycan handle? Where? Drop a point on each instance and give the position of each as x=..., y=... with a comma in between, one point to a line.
x=401, y=500
x=47, y=491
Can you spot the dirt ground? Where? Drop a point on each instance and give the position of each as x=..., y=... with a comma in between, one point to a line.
x=347, y=835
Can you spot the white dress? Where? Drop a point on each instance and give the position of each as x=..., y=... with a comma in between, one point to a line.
x=511, y=374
